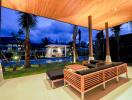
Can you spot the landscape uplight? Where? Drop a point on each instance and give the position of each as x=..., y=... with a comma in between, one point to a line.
x=15, y=57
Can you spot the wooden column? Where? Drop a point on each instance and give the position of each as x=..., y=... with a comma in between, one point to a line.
x=108, y=57
x=90, y=38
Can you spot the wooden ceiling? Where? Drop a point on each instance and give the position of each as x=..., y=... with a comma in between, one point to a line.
x=76, y=12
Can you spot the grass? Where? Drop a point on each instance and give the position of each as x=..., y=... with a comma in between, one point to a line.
x=129, y=64
x=35, y=69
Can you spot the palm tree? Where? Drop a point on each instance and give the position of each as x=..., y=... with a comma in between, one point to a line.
x=116, y=31
x=27, y=21
x=75, y=32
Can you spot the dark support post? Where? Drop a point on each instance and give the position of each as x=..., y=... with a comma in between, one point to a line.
x=90, y=39
x=108, y=57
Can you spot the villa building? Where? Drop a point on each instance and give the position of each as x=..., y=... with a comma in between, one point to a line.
x=10, y=43
x=55, y=50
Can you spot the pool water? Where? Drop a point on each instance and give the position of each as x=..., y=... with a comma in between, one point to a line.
x=43, y=61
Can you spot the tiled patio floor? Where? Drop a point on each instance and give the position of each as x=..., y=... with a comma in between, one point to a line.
x=36, y=87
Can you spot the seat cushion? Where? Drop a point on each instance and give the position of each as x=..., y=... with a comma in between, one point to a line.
x=106, y=66
x=87, y=71
x=113, y=64
x=90, y=65
x=94, y=69
x=117, y=63
x=55, y=74
x=95, y=61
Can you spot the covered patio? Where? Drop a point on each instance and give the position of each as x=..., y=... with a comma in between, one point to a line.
x=95, y=14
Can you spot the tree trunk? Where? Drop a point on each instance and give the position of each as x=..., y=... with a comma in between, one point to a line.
x=14, y=68
x=3, y=68
x=74, y=44
x=74, y=51
x=103, y=48
x=27, y=50
x=118, y=50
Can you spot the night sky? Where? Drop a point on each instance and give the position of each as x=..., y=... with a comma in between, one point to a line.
x=52, y=29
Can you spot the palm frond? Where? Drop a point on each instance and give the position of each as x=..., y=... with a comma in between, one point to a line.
x=26, y=20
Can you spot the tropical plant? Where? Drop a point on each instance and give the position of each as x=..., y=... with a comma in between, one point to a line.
x=27, y=21
x=17, y=37
x=116, y=31
x=46, y=41
x=75, y=32
x=19, y=43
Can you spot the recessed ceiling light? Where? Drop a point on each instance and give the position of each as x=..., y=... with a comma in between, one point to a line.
x=115, y=9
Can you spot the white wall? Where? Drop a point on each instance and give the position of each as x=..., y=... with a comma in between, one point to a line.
x=48, y=52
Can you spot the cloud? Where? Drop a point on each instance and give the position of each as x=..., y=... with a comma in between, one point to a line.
x=50, y=26
x=52, y=29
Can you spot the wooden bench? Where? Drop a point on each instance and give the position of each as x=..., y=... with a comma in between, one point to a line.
x=85, y=80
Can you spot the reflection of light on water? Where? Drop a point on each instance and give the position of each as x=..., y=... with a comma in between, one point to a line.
x=48, y=61
x=60, y=60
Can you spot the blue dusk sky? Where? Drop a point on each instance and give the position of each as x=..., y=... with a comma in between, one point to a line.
x=52, y=29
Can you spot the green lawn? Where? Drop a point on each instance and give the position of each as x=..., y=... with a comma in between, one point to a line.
x=129, y=64
x=35, y=69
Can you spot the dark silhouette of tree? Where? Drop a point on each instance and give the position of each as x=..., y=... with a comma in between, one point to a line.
x=27, y=21
x=70, y=43
x=20, y=43
x=46, y=41
x=100, y=45
x=116, y=31
x=20, y=32
x=83, y=44
x=56, y=42
x=79, y=36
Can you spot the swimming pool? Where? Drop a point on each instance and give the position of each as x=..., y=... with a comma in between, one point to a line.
x=43, y=61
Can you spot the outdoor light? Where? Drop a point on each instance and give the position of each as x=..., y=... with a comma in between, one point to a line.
x=15, y=57
x=115, y=9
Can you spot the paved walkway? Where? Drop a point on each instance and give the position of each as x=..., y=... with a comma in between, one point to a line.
x=123, y=92
x=36, y=87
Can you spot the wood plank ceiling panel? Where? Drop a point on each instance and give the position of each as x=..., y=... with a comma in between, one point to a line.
x=76, y=12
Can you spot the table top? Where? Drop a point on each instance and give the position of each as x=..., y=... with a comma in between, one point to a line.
x=76, y=67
